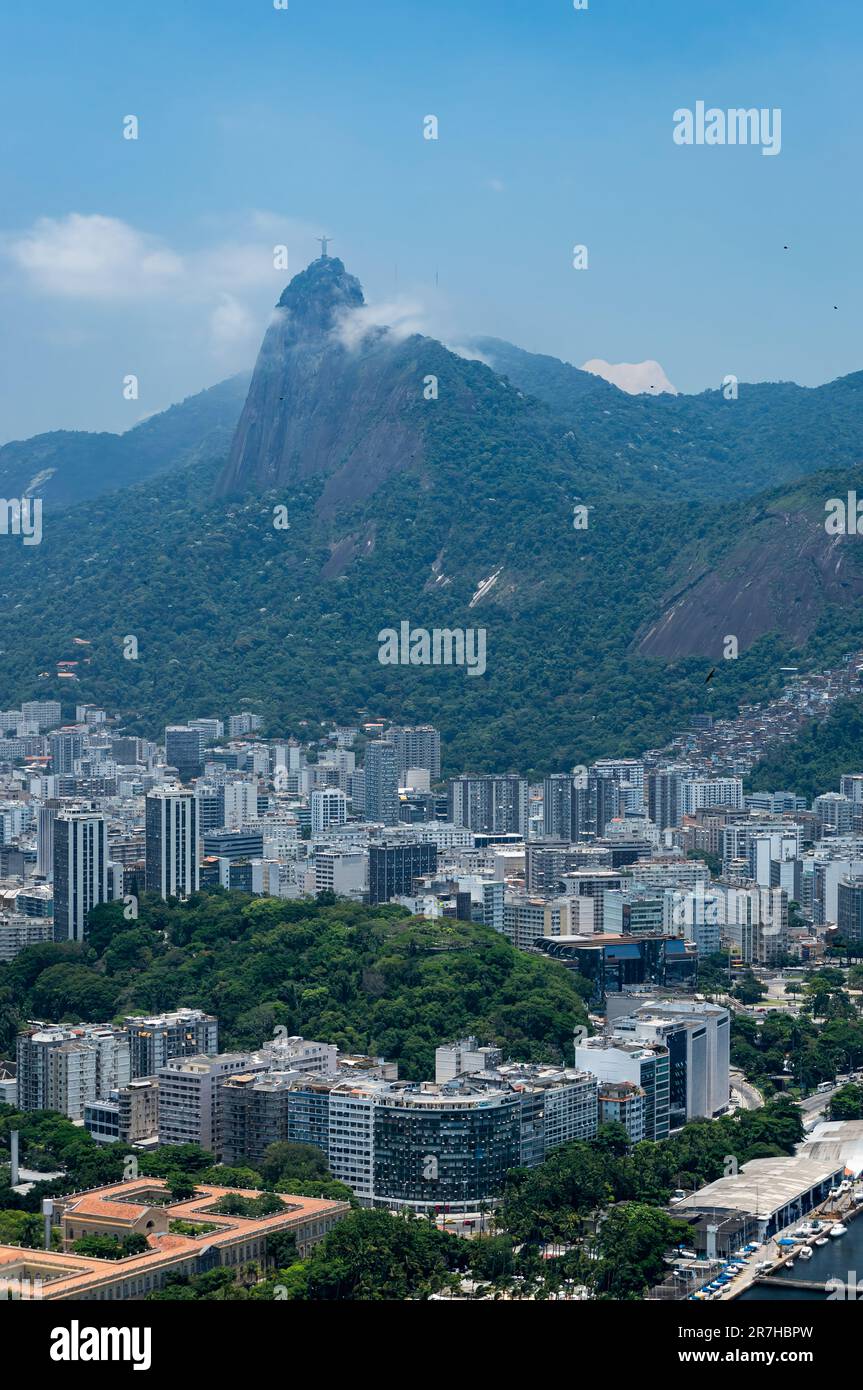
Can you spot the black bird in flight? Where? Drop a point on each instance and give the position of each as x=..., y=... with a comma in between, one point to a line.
x=710, y=676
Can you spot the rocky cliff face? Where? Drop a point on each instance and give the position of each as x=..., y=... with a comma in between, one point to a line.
x=782, y=575
x=326, y=397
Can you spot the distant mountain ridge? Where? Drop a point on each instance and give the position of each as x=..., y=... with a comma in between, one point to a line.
x=422, y=486
x=69, y=466
x=365, y=423
x=707, y=445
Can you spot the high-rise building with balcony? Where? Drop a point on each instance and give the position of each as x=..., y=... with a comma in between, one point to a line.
x=381, y=783
x=154, y=1041
x=81, y=877
x=492, y=805
x=184, y=750
x=171, y=822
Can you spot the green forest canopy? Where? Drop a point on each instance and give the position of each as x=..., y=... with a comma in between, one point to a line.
x=372, y=980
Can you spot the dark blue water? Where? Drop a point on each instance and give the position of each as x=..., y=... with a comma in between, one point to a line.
x=841, y=1259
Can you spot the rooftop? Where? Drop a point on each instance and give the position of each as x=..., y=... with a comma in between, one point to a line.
x=761, y=1186
x=838, y=1142
x=72, y=1275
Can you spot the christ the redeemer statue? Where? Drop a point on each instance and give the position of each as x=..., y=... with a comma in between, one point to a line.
x=325, y=241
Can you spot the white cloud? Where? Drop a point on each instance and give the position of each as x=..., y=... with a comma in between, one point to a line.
x=231, y=326
x=636, y=378
x=94, y=257
x=236, y=266
x=470, y=354
x=218, y=291
x=103, y=260
x=400, y=318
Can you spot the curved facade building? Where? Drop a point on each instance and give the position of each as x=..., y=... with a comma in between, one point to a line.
x=432, y=1148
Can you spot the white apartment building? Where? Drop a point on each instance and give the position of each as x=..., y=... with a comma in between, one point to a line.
x=18, y=931
x=697, y=1037
x=190, y=1099
x=241, y=804
x=525, y=919
x=667, y=873
x=703, y=793
x=439, y=833
x=591, y=886
x=343, y=872
x=284, y=1053
x=72, y=1075
x=463, y=1056
x=329, y=807
x=755, y=923
x=351, y=1140
x=776, y=847
x=64, y=1068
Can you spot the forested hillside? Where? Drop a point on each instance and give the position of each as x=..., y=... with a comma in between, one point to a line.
x=371, y=980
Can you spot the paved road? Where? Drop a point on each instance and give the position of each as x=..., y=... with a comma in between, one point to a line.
x=813, y=1107
x=745, y=1095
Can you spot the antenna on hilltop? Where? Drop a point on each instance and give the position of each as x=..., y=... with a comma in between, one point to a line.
x=325, y=241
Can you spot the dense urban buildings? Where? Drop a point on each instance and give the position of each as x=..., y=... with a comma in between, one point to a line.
x=405, y=1145
x=631, y=873
x=664, y=854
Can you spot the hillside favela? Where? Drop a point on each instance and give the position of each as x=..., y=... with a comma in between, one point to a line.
x=431, y=743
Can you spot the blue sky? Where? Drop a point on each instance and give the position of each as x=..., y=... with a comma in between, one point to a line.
x=260, y=127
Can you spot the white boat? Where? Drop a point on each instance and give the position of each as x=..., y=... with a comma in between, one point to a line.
x=789, y=1264
x=822, y=1240
x=838, y=1229
x=807, y=1252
